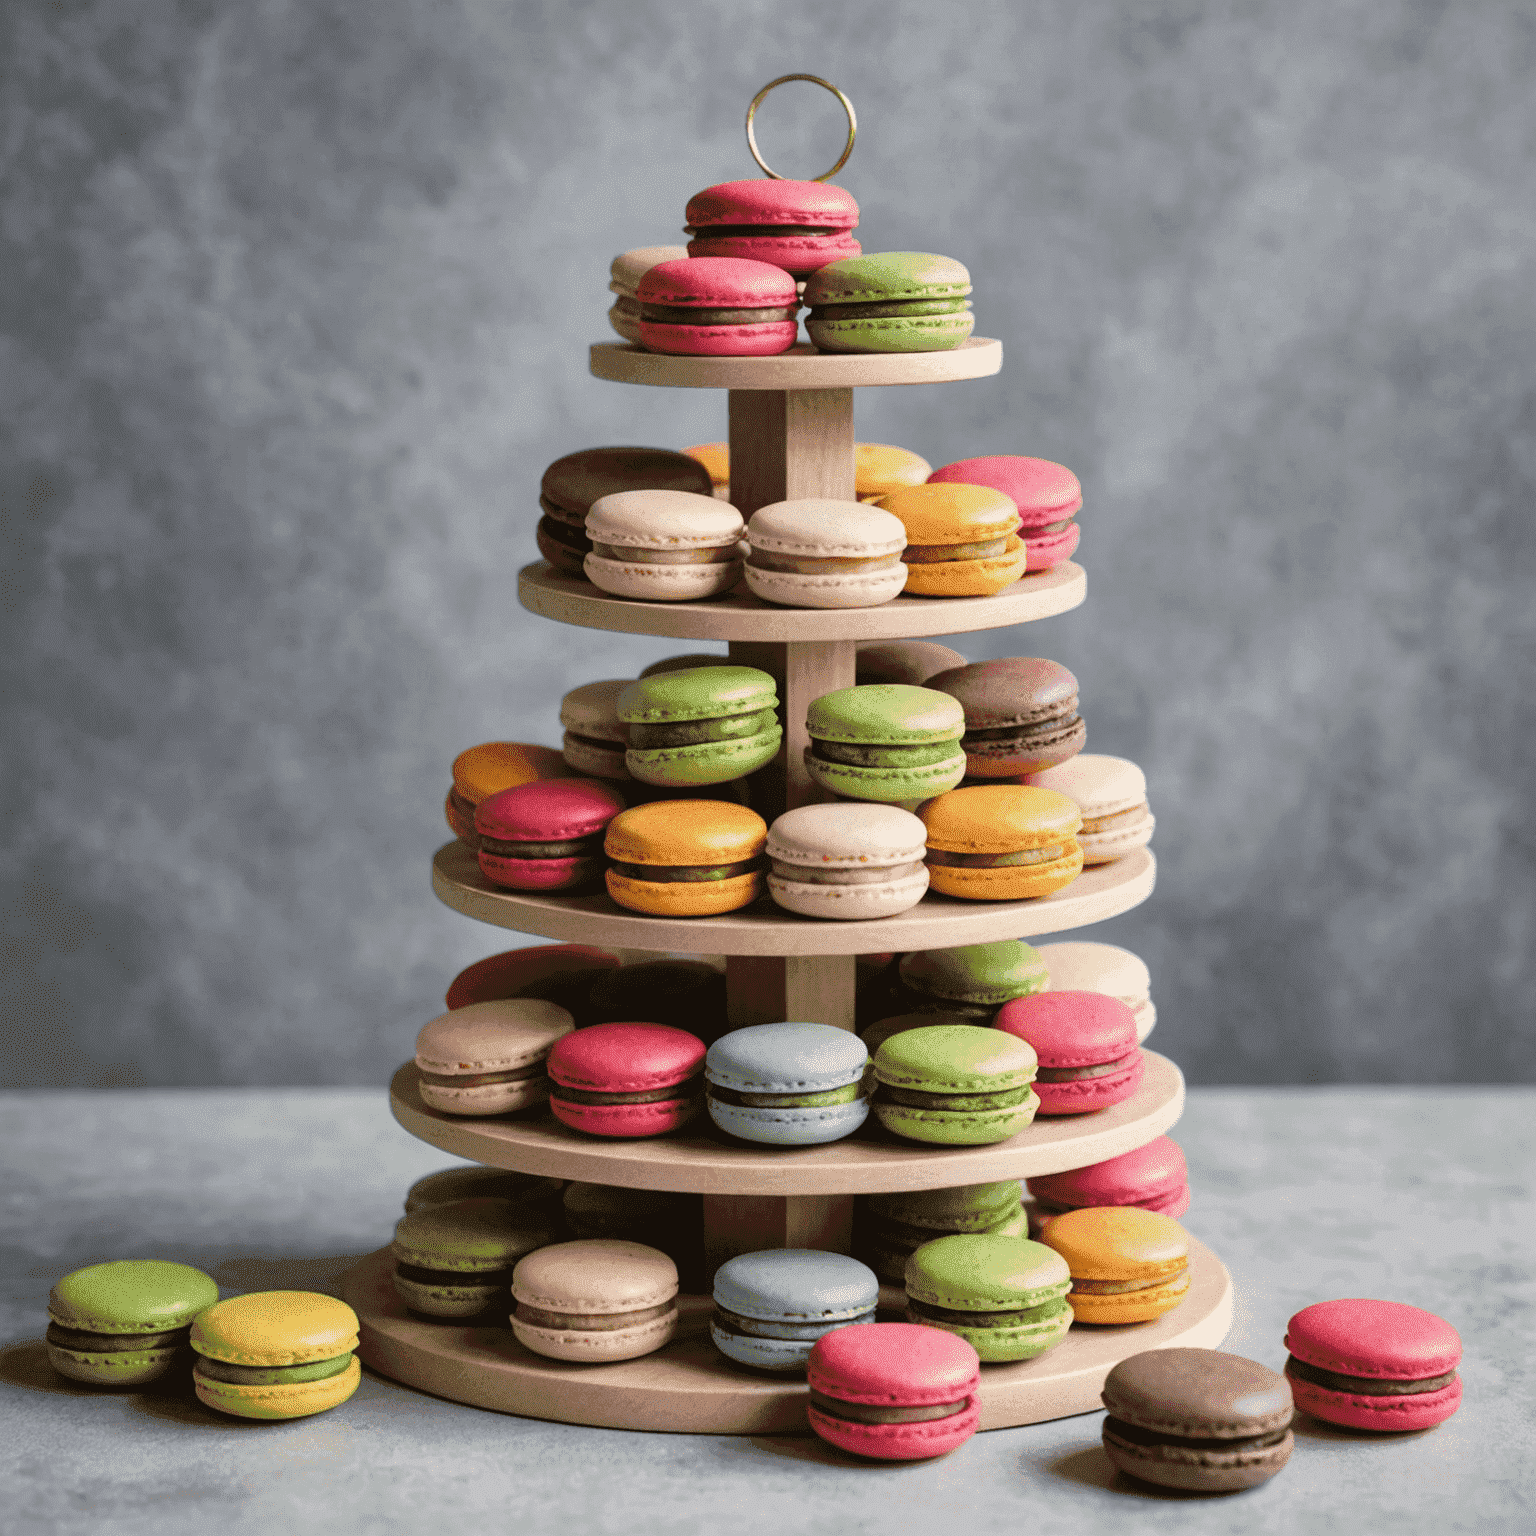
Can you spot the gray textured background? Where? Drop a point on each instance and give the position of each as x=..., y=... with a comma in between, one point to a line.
x=294, y=302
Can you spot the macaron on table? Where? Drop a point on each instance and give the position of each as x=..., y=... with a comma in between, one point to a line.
x=791, y=439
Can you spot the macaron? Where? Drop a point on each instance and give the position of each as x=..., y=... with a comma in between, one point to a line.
x=570, y=486
x=716, y=458
x=852, y=860
x=624, y=280
x=885, y=741
x=718, y=306
x=1111, y=793
x=691, y=993
x=890, y=301
x=704, y=725
x=796, y=225
x=880, y=468
x=889, y=1228
x=1004, y=1295
x=546, y=836
x=1085, y=967
x=894, y=1391
x=820, y=553
x=961, y=539
x=558, y=973
x=1128, y=1265
x=1002, y=842
x=1153, y=1176
x=1086, y=1045
x=787, y=1085
x=955, y=1085
x=687, y=663
x=1020, y=715
x=1047, y=496
x=125, y=1323
x=904, y=661
x=627, y=1079
x=659, y=1218
x=276, y=1354
x=663, y=546
x=595, y=1299
x=474, y=1183
x=1197, y=1419
x=595, y=739
x=455, y=1260
x=482, y=771
x=489, y=1058
x=686, y=858
x=771, y=1307
x=882, y=1029
x=971, y=979
x=1380, y=1365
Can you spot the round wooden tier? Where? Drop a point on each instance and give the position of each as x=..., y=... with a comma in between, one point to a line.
x=872, y=1161
x=936, y=922
x=689, y=1388
x=740, y=616
x=802, y=367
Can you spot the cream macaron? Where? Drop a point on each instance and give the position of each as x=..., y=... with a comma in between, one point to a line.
x=595, y=739
x=851, y=860
x=597, y=1299
x=1081, y=966
x=820, y=553
x=488, y=1058
x=663, y=546
x=624, y=276
x=1111, y=793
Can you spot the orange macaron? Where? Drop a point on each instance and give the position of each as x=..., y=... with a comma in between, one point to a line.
x=482, y=771
x=1002, y=842
x=686, y=858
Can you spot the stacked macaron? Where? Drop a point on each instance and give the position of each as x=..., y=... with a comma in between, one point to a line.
x=893, y=301
x=627, y=1080
x=663, y=546
x=1020, y=716
x=961, y=539
x=1153, y=1176
x=890, y=1228
x=717, y=306
x=546, y=836
x=624, y=280
x=489, y=1058
x=1128, y=1265
x=851, y=860
x=954, y=1085
x=1046, y=496
x=595, y=1299
x=700, y=726
x=595, y=739
x=972, y=980
x=1086, y=967
x=482, y=771
x=772, y=1306
x=1004, y=1295
x=885, y=741
x=557, y=973
x=570, y=486
x=1086, y=1046
x=686, y=858
x=797, y=226
x=820, y=553
x=456, y=1259
x=1002, y=842
x=787, y=1085
x=1111, y=793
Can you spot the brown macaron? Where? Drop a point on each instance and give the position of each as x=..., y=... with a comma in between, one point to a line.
x=1020, y=715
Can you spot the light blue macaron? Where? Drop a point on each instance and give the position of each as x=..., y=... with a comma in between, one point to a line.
x=788, y=1085
x=771, y=1307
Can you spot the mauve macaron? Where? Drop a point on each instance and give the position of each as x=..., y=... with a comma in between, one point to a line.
x=1020, y=715
x=718, y=306
x=904, y=661
x=820, y=553
x=1111, y=792
x=1153, y=1177
x=546, y=836
x=594, y=1300
x=1047, y=495
x=627, y=1079
x=595, y=739
x=852, y=860
x=663, y=546
x=1086, y=1043
x=489, y=1058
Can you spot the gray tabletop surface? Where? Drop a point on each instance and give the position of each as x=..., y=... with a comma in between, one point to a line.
x=1418, y=1195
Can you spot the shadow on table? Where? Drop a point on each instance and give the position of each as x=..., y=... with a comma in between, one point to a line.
x=1091, y=1468
x=1305, y=1427
x=812, y=1449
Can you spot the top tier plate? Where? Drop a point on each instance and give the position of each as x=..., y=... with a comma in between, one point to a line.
x=802, y=367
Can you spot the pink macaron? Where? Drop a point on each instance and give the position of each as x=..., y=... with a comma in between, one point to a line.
x=894, y=1391
x=1047, y=495
x=1380, y=1365
x=718, y=306
x=546, y=836
x=1154, y=1177
x=1086, y=1043
x=799, y=226
x=627, y=1079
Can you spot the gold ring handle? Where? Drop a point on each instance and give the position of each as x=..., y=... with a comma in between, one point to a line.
x=826, y=85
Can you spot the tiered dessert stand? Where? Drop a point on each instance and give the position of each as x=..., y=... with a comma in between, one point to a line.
x=791, y=435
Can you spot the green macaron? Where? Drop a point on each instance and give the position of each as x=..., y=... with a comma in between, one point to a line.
x=455, y=1260
x=890, y=301
x=885, y=741
x=955, y=1084
x=125, y=1322
x=972, y=979
x=890, y=1228
x=701, y=725
x=1006, y=1296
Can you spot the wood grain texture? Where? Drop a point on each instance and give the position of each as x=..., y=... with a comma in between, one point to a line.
x=701, y=1160
x=803, y=367
x=689, y=1388
x=789, y=444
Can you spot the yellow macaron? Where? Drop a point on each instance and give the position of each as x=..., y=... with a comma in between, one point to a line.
x=1002, y=842
x=1128, y=1265
x=880, y=468
x=686, y=858
x=962, y=540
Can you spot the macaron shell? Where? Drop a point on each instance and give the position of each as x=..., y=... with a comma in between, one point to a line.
x=564, y=557
x=625, y=1120
x=707, y=762
x=131, y=1296
x=459, y=1298
x=1020, y=1341
x=898, y=1442
x=1130, y=1306
x=1084, y=1095
x=485, y=1098
x=668, y=521
x=117, y=1368
x=574, y=482
x=1043, y=550
x=708, y=282
x=760, y=339
x=1120, y=1243
x=627, y=268
x=1352, y=1410
x=773, y=200
x=285, y=1400
x=650, y=583
x=849, y=903
x=685, y=898
x=552, y=810
x=976, y=973
x=497, y=1036
x=597, y=1344
x=586, y=757
x=798, y=255
x=1154, y=1172
x=1015, y=882
x=1198, y=1469
x=1002, y=759
x=767, y=1354
x=625, y=324
x=970, y=578
x=1000, y=818
x=911, y=662
x=955, y=1127
x=892, y=333
x=1389, y=1340
x=890, y=786
x=481, y=771
x=790, y=1126
x=462, y=826
x=854, y=589
x=540, y=874
x=275, y=1328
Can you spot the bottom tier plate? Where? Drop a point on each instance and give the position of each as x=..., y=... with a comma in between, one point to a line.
x=689, y=1388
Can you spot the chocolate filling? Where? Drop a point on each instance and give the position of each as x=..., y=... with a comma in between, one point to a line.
x=608, y=743
x=114, y=1343
x=1013, y=860
x=1061, y=722
x=1364, y=1386
x=1136, y=1435
x=1082, y=1074
x=871, y=1413
x=891, y=309
x=686, y=874
x=684, y=1090
x=1018, y=1318
x=421, y=1275
x=692, y=733
x=756, y=231
x=884, y=754
x=937, y=554
x=589, y=1322
x=569, y=850
x=844, y=1095
x=1005, y=1098
x=483, y=1079
x=681, y=314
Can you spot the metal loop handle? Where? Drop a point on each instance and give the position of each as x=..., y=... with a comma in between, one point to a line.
x=826, y=85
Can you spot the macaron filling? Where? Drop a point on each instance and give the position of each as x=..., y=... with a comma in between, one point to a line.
x=84, y=1342
x=1175, y=1281
x=1081, y=1074
x=684, y=314
x=519, y=1074
x=872, y=1413
x=934, y=554
x=806, y=874
x=1015, y=859
x=1016, y=1317
x=883, y=755
x=689, y=733
x=691, y=874
x=821, y=565
x=1116, y=820
x=271, y=1375
x=672, y=1092
x=1135, y=1434
x=1364, y=1386
x=589, y=1322
x=711, y=554
x=847, y=1094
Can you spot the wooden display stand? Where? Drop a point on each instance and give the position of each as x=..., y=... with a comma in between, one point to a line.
x=791, y=436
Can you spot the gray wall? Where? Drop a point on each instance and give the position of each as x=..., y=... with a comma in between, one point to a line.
x=294, y=303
